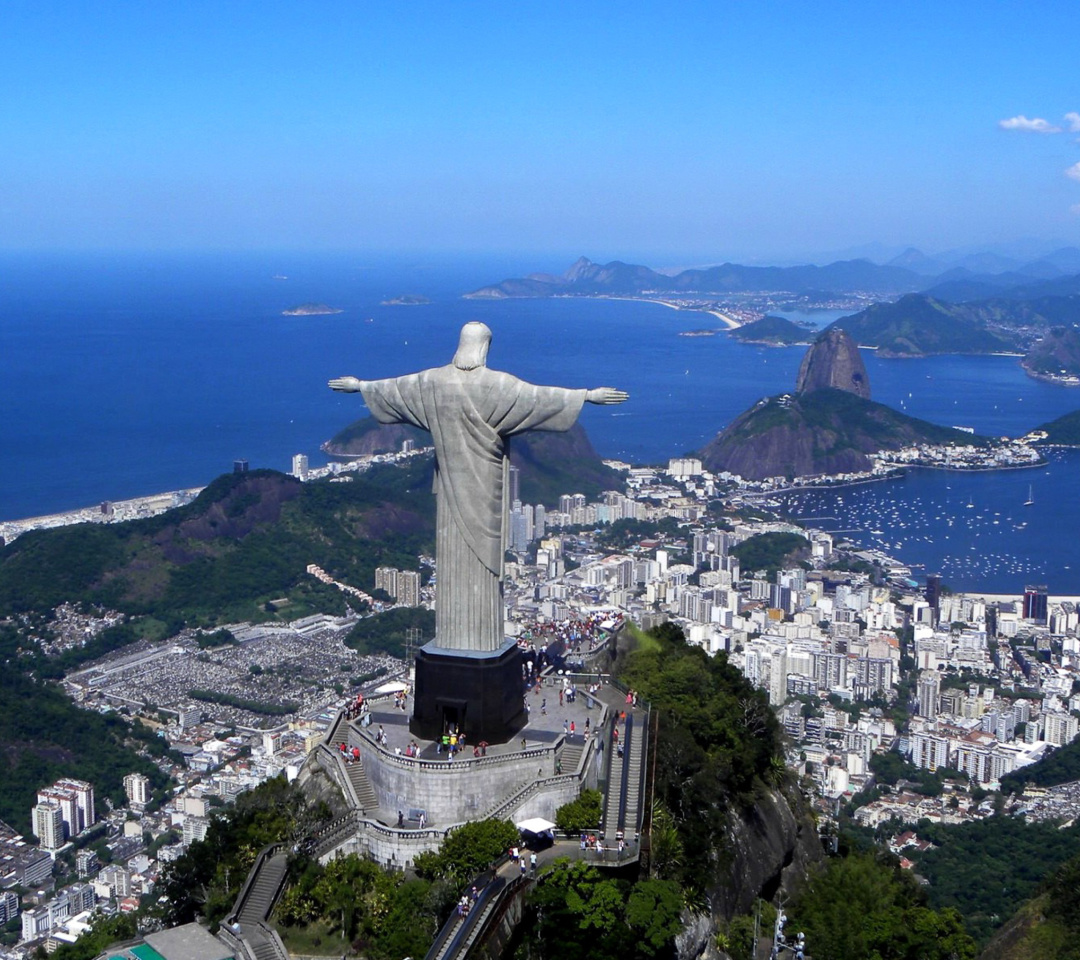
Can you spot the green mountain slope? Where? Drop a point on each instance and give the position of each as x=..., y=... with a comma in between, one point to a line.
x=1055, y=354
x=824, y=432
x=1065, y=430
x=773, y=330
x=245, y=540
x=916, y=325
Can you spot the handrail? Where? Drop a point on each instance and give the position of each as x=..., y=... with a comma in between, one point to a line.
x=410, y=763
x=643, y=773
x=526, y=791
x=490, y=890
x=339, y=775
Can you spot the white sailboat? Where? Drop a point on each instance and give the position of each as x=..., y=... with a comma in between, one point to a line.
x=1031, y=496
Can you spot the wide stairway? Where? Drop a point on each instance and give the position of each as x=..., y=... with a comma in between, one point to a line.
x=622, y=807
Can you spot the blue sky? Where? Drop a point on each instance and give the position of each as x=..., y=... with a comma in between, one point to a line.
x=674, y=133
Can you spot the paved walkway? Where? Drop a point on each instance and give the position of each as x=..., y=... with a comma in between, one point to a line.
x=548, y=721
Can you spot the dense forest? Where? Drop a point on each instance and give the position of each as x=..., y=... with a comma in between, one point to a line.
x=238, y=552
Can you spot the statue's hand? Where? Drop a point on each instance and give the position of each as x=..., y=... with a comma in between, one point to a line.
x=346, y=384
x=606, y=395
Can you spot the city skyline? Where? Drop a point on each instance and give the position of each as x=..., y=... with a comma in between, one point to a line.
x=764, y=133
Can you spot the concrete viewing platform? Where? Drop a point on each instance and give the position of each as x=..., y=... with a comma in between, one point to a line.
x=543, y=767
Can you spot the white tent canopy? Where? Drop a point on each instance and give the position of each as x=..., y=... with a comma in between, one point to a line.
x=391, y=686
x=535, y=825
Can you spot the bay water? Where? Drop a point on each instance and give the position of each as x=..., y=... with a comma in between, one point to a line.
x=128, y=375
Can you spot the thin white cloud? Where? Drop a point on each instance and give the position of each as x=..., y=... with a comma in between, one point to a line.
x=1073, y=171
x=1075, y=208
x=1034, y=125
x=1073, y=120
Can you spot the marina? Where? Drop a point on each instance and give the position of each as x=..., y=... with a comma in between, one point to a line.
x=990, y=531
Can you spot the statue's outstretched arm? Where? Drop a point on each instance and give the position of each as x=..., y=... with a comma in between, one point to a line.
x=346, y=384
x=606, y=395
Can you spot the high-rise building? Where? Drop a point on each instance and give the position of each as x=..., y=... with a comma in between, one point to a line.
x=1035, y=603
x=195, y=829
x=239, y=466
x=9, y=906
x=137, y=788
x=933, y=591
x=778, y=674
x=515, y=483
x=928, y=692
x=403, y=586
x=48, y=820
x=86, y=863
x=67, y=804
x=300, y=466
x=84, y=802
x=408, y=588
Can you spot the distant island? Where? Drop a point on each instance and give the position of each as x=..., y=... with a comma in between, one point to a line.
x=408, y=300
x=774, y=331
x=311, y=310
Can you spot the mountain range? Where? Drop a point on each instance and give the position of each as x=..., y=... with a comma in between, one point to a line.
x=968, y=277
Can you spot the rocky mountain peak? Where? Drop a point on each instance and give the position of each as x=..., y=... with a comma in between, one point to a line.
x=833, y=361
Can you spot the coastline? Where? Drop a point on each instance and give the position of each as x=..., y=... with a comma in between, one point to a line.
x=729, y=322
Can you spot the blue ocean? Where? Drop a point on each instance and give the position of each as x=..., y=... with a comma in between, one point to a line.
x=130, y=375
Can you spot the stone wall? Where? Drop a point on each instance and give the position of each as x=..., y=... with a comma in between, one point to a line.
x=451, y=791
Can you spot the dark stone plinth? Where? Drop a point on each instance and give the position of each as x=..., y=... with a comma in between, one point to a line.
x=481, y=693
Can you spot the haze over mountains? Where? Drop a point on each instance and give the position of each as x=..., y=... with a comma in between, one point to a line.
x=967, y=277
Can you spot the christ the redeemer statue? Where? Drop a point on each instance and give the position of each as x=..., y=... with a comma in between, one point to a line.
x=471, y=412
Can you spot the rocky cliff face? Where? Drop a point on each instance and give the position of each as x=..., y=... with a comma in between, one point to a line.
x=770, y=847
x=833, y=360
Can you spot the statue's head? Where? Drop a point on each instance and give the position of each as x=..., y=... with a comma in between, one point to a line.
x=473, y=346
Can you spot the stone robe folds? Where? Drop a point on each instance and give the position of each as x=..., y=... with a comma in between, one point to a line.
x=470, y=415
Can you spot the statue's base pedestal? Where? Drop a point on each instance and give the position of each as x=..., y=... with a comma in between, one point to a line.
x=480, y=693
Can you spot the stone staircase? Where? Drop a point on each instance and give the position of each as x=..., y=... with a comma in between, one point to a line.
x=570, y=756
x=264, y=891
x=265, y=949
x=365, y=792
